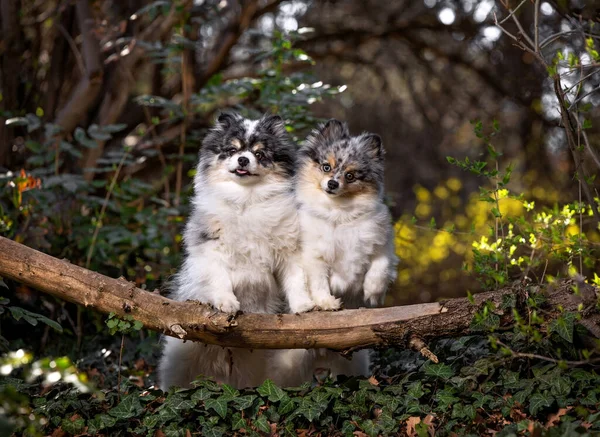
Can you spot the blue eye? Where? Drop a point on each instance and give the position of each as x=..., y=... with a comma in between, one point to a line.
x=326, y=168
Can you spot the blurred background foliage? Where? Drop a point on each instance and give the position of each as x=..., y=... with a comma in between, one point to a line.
x=103, y=106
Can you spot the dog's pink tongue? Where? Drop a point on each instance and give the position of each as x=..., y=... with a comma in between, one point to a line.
x=239, y=170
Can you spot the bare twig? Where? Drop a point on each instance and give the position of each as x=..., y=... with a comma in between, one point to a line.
x=100, y=217
x=589, y=147
x=514, y=11
x=74, y=49
x=515, y=354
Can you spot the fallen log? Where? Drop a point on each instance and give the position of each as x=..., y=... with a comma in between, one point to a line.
x=340, y=330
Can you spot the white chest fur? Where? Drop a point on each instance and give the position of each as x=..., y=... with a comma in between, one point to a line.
x=346, y=247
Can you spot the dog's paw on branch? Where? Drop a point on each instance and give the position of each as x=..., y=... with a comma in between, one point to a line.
x=407, y=326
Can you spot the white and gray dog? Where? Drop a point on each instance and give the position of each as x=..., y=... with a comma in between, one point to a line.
x=346, y=235
x=240, y=246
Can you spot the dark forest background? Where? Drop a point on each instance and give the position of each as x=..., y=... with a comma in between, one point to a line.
x=104, y=104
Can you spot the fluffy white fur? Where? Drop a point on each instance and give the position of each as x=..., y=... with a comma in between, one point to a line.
x=347, y=240
x=249, y=232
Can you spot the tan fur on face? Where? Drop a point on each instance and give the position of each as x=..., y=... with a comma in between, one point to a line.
x=312, y=175
x=331, y=160
x=236, y=143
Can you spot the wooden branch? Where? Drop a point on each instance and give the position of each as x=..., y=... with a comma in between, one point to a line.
x=341, y=330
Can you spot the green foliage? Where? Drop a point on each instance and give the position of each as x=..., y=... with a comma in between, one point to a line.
x=126, y=325
x=475, y=389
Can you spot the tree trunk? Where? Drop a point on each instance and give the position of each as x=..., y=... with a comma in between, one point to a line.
x=341, y=330
x=11, y=49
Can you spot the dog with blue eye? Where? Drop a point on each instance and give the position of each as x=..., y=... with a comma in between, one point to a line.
x=241, y=246
x=347, y=236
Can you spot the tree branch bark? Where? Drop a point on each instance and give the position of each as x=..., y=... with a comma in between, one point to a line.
x=90, y=84
x=123, y=80
x=341, y=330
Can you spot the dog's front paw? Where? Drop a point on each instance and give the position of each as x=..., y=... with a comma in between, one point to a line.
x=374, y=290
x=228, y=304
x=327, y=302
x=302, y=306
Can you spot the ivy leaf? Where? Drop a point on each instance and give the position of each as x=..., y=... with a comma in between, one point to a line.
x=480, y=399
x=129, y=406
x=370, y=428
x=229, y=392
x=212, y=431
x=561, y=386
x=415, y=390
x=539, y=401
x=445, y=398
x=219, y=405
x=100, y=422
x=262, y=424
x=286, y=405
x=238, y=422
x=150, y=421
x=73, y=426
x=177, y=402
x=243, y=402
x=563, y=326
x=271, y=391
x=387, y=422
x=309, y=409
x=33, y=318
x=438, y=370
x=201, y=394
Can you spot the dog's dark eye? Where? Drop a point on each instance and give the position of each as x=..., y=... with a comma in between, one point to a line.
x=326, y=168
x=259, y=154
x=349, y=177
x=232, y=151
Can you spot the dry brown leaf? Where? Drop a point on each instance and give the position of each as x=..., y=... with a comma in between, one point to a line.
x=586, y=425
x=411, y=422
x=359, y=434
x=373, y=381
x=555, y=418
x=58, y=432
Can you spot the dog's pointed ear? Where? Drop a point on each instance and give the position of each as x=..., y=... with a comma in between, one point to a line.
x=334, y=130
x=372, y=144
x=274, y=125
x=226, y=119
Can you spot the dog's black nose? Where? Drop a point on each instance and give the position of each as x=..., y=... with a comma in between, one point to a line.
x=332, y=185
x=243, y=161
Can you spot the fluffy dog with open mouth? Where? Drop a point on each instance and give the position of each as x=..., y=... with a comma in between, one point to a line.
x=346, y=234
x=240, y=243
